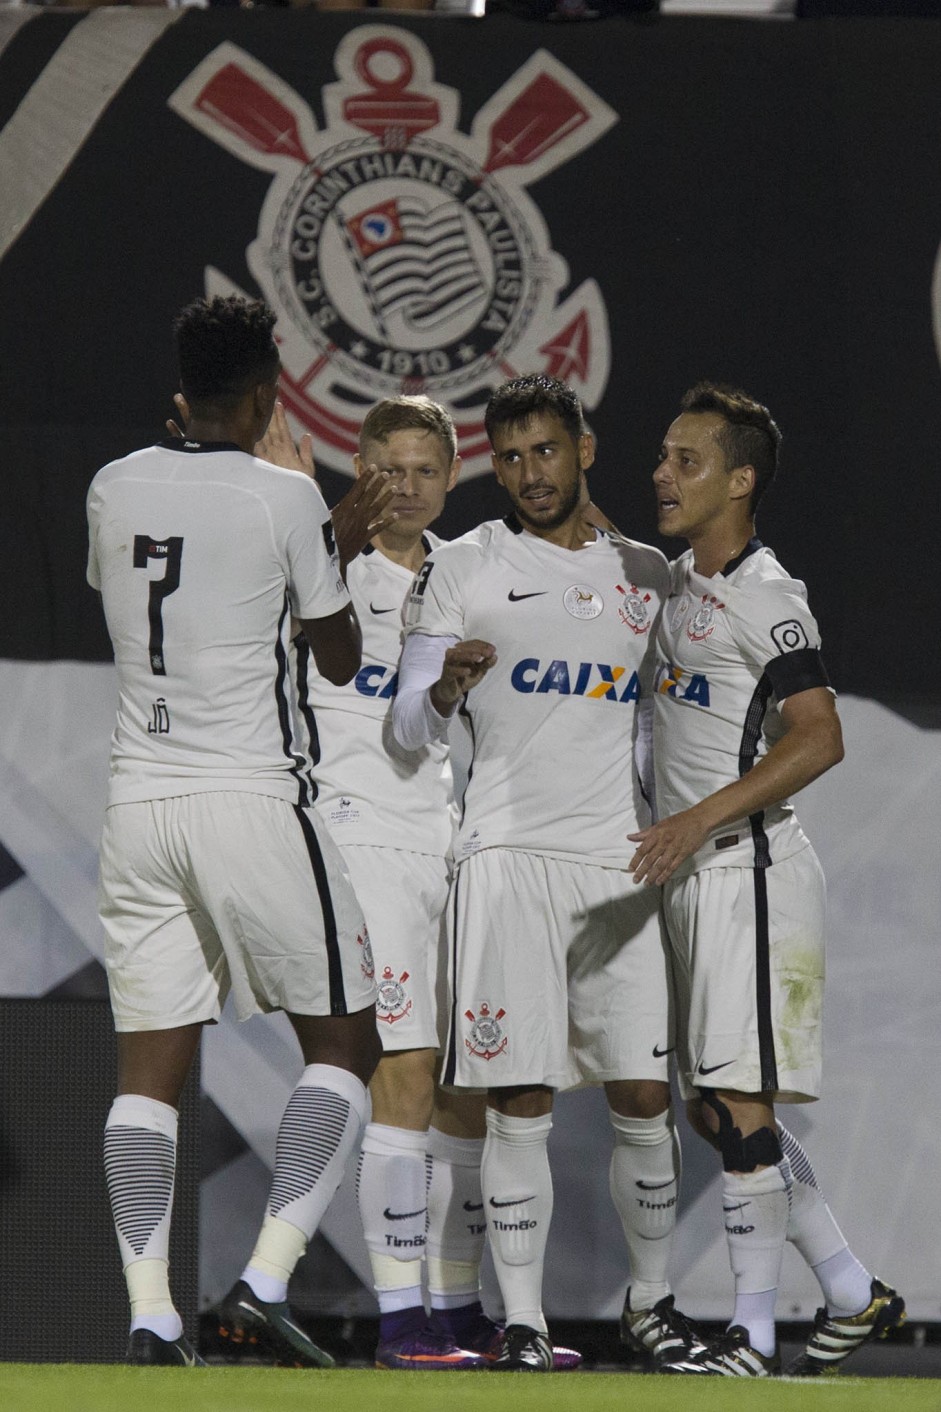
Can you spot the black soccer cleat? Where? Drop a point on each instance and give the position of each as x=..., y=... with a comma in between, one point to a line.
x=835, y=1337
x=248, y=1324
x=147, y=1349
x=728, y=1355
x=524, y=1350
x=662, y=1333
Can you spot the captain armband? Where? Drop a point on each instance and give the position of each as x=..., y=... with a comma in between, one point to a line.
x=796, y=671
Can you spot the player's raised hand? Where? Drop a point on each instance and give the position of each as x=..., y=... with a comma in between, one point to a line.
x=363, y=512
x=279, y=447
x=178, y=429
x=662, y=847
x=465, y=665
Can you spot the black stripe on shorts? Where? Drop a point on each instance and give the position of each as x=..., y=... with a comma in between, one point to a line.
x=751, y=735
x=450, y=1063
x=334, y=968
x=766, y=1054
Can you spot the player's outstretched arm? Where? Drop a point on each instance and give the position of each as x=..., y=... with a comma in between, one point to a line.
x=337, y=644
x=362, y=513
x=465, y=666
x=812, y=744
x=279, y=447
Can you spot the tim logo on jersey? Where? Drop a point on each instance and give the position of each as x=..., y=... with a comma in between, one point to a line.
x=691, y=687
x=596, y=681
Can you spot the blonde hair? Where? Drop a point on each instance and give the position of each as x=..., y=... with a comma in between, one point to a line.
x=416, y=413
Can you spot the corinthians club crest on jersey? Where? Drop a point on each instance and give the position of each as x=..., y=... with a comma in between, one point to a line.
x=393, y=1002
x=486, y=1038
x=633, y=610
x=399, y=253
x=366, y=963
x=702, y=624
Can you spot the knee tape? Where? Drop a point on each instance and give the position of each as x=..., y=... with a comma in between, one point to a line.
x=742, y=1154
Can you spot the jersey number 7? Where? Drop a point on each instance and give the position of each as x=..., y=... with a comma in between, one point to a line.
x=171, y=552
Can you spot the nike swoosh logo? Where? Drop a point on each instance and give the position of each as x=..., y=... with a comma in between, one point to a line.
x=712, y=1067
x=654, y=1186
x=659, y=1053
x=518, y=597
x=377, y=611
x=473, y=1205
x=521, y=1201
x=740, y=1207
x=402, y=1215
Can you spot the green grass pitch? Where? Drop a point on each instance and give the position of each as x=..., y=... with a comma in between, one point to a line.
x=97, y=1388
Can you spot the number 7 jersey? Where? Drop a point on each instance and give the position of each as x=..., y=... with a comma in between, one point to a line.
x=202, y=554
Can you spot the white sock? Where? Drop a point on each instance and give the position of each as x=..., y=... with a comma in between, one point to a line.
x=812, y=1230
x=517, y=1188
x=755, y=1205
x=393, y=1205
x=644, y=1179
x=318, y=1131
x=140, y=1166
x=457, y=1225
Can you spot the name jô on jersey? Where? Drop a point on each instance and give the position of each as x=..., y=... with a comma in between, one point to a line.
x=682, y=685
x=594, y=680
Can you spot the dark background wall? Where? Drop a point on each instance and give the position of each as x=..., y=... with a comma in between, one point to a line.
x=766, y=210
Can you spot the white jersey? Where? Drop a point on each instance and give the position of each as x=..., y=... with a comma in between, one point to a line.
x=370, y=790
x=553, y=722
x=730, y=650
x=202, y=553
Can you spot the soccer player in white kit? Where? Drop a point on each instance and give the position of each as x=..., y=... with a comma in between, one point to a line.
x=392, y=813
x=541, y=626
x=215, y=872
x=744, y=718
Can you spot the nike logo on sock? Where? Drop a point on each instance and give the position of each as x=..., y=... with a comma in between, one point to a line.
x=654, y=1186
x=518, y=597
x=403, y=1215
x=473, y=1205
x=377, y=611
x=659, y=1053
x=520, y=1201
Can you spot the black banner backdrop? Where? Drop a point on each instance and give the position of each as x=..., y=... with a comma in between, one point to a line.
x=640, y=203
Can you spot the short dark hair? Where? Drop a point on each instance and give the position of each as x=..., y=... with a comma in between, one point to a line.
x=225, y=347
x=516, y=402
x=750, y=436
x=416, y=413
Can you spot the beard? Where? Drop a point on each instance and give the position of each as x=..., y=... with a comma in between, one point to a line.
x=564, y=510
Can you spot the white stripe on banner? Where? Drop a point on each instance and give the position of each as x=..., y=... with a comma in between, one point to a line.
x=64, y=104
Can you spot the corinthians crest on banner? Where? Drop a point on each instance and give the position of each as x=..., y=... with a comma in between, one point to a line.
x=400, y=254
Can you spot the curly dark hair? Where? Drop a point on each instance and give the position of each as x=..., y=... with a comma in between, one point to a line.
x=515, y=402
x=750, y=437
x=225, y=347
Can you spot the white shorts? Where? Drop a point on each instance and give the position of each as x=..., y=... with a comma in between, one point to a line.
x=206, y=891
x=404, y=896
x=748, y=959
x=560, y=974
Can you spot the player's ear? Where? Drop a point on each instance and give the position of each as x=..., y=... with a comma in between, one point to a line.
x=586, y=450
x=454, y=472
x=496, y=468
x=741, y=482
x=264, y=397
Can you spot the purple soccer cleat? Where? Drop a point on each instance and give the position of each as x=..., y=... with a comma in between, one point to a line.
x=430, y=1350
